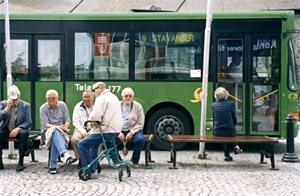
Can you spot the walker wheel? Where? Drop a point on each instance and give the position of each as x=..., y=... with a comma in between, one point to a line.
x=128, y=170
x=84, y=174
x=120, y=175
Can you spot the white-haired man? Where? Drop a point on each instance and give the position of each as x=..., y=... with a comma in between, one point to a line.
x=15, y=122
x=55, y=120
x=106, y=110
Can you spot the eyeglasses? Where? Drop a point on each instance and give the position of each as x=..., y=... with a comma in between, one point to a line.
x=51, y=98
x=127, y=95
x=95, y=89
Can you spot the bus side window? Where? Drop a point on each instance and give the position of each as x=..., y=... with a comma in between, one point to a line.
x=19, y=59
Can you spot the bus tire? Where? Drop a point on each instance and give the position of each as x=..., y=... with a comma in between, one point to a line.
x=168, y=121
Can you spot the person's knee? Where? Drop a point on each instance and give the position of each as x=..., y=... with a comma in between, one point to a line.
x=139, y=141
x=23, y=134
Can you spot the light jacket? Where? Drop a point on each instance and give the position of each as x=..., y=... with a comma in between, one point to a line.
x=107, y=110
x=80, y=115
x=23, y=118
x=136, y=117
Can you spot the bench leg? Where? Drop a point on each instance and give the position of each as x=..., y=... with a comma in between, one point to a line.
x=262, y=155
x=31, y=150
x=173, y=156
x=272, y=159
x=147, y=155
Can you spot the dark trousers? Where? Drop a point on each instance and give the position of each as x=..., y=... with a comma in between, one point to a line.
x=225, y=133
x=22, y=139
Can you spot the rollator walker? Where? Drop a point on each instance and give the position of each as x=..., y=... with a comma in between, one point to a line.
x=110, y=153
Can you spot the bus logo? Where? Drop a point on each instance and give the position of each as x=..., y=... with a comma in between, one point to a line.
x=197, y=93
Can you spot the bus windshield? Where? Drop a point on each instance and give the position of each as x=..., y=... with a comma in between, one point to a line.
x=293, y=69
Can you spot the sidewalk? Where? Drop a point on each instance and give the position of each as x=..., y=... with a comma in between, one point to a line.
x=243, y=176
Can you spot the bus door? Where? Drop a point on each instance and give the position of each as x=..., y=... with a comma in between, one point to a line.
x=230, y=68
x=36, y=67
x=252, y=78
x=265, y=61
x=47, y=69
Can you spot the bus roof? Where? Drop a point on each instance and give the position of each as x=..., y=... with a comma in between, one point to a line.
x=151, y=16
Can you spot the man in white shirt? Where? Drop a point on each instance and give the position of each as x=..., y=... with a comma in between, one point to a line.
x=106, y=110
x=81, y=113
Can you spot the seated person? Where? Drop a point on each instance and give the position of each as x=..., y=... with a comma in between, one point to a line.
x=133, y=123
x=55, y=121
x=224, y=118
x=81, y=113
x=15, y=122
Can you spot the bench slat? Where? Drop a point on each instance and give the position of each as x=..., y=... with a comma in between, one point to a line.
x=217, y=139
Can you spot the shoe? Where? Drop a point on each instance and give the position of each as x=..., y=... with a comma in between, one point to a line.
x=228, y=158
x=94, y=175
x=134, y=164
x=67, y=159
x=52, y=171
x=237, y=150
x=20, y=167
x=70, y=160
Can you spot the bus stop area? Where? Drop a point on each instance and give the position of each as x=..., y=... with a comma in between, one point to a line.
x=213, y=176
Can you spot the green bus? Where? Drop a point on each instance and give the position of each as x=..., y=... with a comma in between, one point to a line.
x=160, y=56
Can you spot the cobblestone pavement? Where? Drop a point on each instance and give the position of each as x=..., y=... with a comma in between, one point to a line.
x=243, y=176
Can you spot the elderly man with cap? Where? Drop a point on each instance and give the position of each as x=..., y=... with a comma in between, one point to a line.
x=15, y=122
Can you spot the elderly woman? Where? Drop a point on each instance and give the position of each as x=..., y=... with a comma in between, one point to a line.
x=224, y=118
x=133, y=123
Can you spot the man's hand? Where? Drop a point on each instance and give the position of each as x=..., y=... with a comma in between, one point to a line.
x=14, y=132
x=64, y=127
x=129, y=136
x=83, y=133
x=121, y=137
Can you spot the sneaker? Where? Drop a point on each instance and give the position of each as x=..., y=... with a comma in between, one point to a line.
x=228, y=158
x=237, y=150
x=52, y=171
x=94, y=175
x=67, y=159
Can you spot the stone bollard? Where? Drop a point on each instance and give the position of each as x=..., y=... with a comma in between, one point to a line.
x=290, y=155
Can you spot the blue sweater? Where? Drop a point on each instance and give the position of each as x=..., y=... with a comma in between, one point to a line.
x=224, y=118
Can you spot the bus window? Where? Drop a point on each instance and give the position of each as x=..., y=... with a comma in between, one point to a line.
x=49, y=60
x=293, y=71
x=265, y=77
x=166, y=55
x=19, y=59
x=101, y=55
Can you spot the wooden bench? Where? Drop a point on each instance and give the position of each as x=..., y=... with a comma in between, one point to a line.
x=266, y=144
x=31, y=139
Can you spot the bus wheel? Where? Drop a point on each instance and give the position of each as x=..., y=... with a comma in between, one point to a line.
x=168, y=121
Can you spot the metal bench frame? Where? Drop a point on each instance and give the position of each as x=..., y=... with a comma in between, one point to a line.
x=266, y=145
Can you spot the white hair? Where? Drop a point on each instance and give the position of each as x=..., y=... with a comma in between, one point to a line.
x=221, y=93
x=127, y=91
x=51, y=91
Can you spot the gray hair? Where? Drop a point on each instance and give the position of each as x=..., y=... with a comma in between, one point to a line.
x=51, y=91
x=127, y=91
x=221, y=93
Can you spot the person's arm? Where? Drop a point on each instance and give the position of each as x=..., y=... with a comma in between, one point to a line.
x=140, y=119
x=77, y=121
x=26, y=125
x=233, y=114
x=65, y=126
x=4, y=109
x=98, y=110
